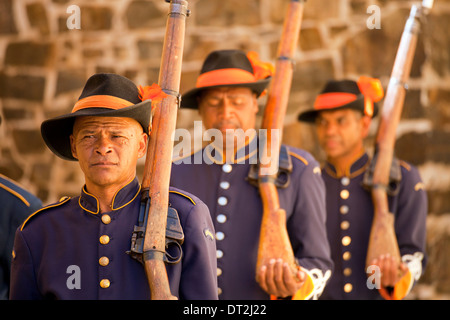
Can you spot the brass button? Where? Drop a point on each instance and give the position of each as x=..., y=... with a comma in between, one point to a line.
x=220, y=235
x=104, y=239
x=221, y=218
x=345, y=225
x=105, y=283
x=348, y=287
x=347, y=272
x=225, y=185
x=219, y=271
x=106, y=219
x=222, y=201
x=346, y=255
x=346, y=240
x=219, y=291
x=103, y=261
x=345, y=181
x=343, y=209
x=345, y=194
x=227, y=168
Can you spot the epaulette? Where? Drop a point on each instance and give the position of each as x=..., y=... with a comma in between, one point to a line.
x=184, y=195
x=299, y=157
x=10, y=189
x=61, y=201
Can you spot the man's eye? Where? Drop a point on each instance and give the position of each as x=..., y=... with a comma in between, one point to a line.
x=213, y=101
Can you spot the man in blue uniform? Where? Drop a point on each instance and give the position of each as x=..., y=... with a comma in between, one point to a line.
x=342, y=114
x=76, y=248
x=16, y=205
x=226, y=95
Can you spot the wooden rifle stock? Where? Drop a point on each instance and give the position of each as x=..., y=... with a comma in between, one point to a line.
x=158, y=162
x=274, y=240
x=382, y=239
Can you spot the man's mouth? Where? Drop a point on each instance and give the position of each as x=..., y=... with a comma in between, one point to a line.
x=103, y=164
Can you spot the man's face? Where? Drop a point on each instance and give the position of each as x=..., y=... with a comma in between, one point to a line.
x=107, y=149
x=228, y=108
x=341, y=132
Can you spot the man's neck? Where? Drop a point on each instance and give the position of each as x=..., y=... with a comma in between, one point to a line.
x=343, y=163
x=104, y=194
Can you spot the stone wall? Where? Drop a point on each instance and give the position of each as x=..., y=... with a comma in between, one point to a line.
x=44, y=65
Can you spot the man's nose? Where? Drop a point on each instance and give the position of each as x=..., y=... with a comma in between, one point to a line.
x=103, y=145
x=330, y=128
x=226, y=108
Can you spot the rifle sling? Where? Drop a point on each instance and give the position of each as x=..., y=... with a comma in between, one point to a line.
x=284, y=170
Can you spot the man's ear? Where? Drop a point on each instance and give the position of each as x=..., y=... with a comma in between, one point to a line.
x=72, y=146
x=366, y=121
x=142, y=145
x=255, y=101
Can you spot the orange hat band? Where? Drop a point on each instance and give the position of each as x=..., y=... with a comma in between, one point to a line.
x=101, y=101
x=333, y=100
x=223, y=77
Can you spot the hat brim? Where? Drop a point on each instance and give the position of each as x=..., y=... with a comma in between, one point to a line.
x=189, y=99
x=311, y=115
x=56, y=132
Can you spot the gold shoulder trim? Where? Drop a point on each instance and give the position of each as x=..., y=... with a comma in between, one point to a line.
x=65, y=199
x=16, y=194
x=298, y=157
x=184, y=195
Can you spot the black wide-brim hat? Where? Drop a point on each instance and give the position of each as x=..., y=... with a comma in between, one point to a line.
x=104, y=95
x=347, y=94
x=226, y=68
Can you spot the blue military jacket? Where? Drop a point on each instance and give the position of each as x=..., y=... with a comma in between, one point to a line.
x=69, y=250
x=236, y=208
x=16, y=205
x=349, y=219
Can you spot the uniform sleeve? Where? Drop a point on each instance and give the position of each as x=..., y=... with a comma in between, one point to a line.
x=307, y=231
x=23, y=278
x=410, y=228
x=199, y=275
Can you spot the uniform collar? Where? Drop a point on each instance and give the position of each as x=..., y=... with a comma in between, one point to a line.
x=214, y=152
x=355, y=169
x=122, y=198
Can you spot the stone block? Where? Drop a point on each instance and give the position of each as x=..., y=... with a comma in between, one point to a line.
x=37, y=17
x=22, y=87
x=437, y=271
x=7, y=23
x=95, y=18
x=144, y=15
x=227, y=13
x=412, y=108
x=439, y=103
x=433, y=147
x=28, y=141
x=9, y=166
x=439, y=201
x=29, y=53
x=69, y=80
x=310, y=39
x=437, y=37
x=311, y=76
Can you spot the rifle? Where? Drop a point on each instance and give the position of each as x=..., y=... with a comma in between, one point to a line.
x=274, y=241
x=149, y=240
x=382, y=235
